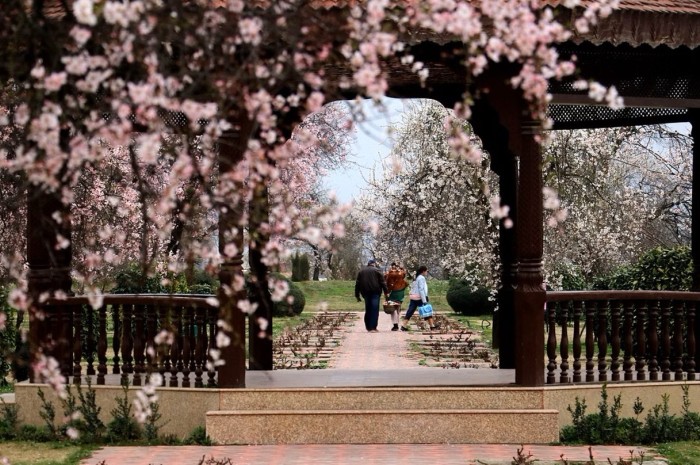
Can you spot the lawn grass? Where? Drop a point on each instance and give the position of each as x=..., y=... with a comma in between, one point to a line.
x=44, y=453
x=340, y=295
x=681, y=453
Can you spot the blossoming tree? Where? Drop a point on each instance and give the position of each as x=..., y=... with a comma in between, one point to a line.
x=231, y=79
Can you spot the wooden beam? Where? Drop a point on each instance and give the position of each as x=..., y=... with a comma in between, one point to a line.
x=637, y=102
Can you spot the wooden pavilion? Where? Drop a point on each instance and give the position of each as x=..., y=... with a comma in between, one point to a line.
x=648, y=49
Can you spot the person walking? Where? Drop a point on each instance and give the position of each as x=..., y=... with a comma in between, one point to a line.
x=370, y=285
x=396, y=283
x=418, y=296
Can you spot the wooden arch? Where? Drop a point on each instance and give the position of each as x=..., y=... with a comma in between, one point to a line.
x=648, y=49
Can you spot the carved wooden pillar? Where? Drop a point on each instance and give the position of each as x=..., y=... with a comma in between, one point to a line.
x=695, y=208
x=509, y=265
x=231, y=374
x=529, y=296
x=49, y=271
x=492, y=120
x=260, y=322
x=695, y=234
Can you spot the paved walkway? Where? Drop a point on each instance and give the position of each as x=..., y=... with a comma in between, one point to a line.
x=374, y=351
x=365, y=359
x=372, y=454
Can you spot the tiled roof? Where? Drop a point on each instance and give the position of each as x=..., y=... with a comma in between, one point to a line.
x=654, y=6
x=654, y=22
x=673, y=23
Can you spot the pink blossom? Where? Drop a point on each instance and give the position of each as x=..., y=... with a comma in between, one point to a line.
x=250, y=29
x=236, y=6
x=315, y=101
x=81, y=35
x=84, y=13
x=55, y=81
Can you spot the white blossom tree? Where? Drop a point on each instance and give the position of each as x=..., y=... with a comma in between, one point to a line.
x=431, y=206
x=638, y=176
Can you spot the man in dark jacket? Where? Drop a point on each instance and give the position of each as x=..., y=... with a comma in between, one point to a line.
x=370, y=284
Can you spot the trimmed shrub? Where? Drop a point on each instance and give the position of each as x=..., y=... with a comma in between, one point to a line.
x=285, y=308
x=572, y=279
x=658, y=269
x=607, y=427
x=131, y=280
x=468, y=299
x=14, y=353
x=7, y=338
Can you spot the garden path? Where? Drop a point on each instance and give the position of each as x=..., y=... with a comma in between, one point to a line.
x=383, y=350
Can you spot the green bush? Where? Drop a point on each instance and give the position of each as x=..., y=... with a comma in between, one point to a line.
x=206, y=289
x=572, y=279
x=199, y=437
x=284, y=308
x=9, y=420
x=14, y=352
x=606, y=426
x=8, y=337
x=470, y=300
x=123, y=427
x=132, y=280
x=296, y=307
x=658, y=269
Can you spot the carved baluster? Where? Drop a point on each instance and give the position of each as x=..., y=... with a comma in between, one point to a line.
x=186, y=347
x=602, y=341
x=90, y=339
x=678, y=340
x=590, y=340
x=102, y=345
x=564, y=346
x=627, y=364
x=577, y=341
x=139, y=345
x=666, y=340
x=653, y=338
x=212, y=314
x=551, y=342
x=175, y=360
x=77, y=341
x=640, y=354
x=127, y=343
x=615, y=312
x=690, y=338
x=151, y=356
x=116, y=337
x=66, y=343
x=193, y=338
x=201, y=349
x=163, y=349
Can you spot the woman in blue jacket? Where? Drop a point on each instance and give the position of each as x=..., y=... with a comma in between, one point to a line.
x=419, y=297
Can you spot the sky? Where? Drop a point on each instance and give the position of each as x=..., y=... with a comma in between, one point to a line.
x=372, y=144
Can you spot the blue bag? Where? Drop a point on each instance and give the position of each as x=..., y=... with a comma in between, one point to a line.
x=425, y=310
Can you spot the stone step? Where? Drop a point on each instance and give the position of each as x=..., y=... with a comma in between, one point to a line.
x=389, y=398
x=424, y=426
